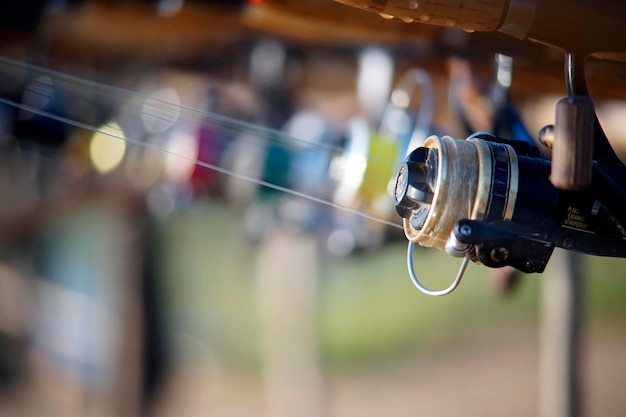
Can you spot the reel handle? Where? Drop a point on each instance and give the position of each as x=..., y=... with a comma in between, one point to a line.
x=572, y=153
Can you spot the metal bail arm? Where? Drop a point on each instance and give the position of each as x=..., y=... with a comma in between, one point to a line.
x=427, y=291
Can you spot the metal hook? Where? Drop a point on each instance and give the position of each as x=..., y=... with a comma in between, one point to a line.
x=400, y=101
x=575, y=81
x=427, y=291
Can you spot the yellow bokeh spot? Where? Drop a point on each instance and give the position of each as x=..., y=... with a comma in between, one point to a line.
x=107, y=147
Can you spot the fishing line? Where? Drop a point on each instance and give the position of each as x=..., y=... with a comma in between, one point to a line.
x=167, y=152
x=228, y=123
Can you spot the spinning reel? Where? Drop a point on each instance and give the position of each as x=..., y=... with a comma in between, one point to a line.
x=499, y=202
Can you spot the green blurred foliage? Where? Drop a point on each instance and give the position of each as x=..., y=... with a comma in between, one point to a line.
x=369, y=312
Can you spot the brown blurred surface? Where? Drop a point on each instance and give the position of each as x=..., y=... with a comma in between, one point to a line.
x=494, y=375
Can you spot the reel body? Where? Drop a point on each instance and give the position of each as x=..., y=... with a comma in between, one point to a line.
x=491, y=200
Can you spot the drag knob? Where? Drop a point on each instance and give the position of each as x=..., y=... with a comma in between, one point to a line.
x=412, y=187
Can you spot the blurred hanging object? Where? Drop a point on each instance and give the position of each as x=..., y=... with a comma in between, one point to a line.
x=264, y=157
x=267, y=64
x=362, y=169
x=212, y=143
x=372, y=156
x=367, y=156
x=107, y=147
x=399, y=120
x=375, y=69
x=42, y=94
x=297, y=157
x=314, y=138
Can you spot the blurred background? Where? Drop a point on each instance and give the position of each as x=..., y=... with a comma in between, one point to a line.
x=195, y=217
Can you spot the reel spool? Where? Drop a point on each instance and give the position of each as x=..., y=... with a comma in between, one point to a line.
x=447, y=180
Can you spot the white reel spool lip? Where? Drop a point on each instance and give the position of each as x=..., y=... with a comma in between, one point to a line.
x=449, y=198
